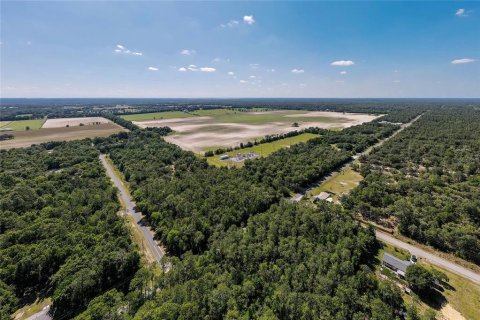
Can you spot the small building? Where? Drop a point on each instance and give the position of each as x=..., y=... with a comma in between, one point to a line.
x=396, y=265
x=224, y=157
x=323, y=196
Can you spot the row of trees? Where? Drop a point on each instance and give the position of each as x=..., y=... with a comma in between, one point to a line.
x=426, y=181
x=60, y=235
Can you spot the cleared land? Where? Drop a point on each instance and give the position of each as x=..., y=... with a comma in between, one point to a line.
x=339, y=184
x=21, y=125
x=24, y=139
x=458, y=300
x=262, y=150
x=73, y=122
x=204, y=129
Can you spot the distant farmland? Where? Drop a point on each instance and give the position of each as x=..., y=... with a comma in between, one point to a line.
x=24, y=139
x=21, y=125
x=206, y=129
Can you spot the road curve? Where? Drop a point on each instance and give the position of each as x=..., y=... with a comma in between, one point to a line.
x=450, y=266
x=156, y=251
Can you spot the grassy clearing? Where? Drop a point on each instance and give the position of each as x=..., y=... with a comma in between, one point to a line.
x=262, y=150
x=4, y=123
x=21, y=125
x=157, y=116
x=31, y=309
x=339, y=184
x=23, y=139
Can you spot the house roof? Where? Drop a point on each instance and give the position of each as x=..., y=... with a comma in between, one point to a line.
x=323, y=196
x=395, y=262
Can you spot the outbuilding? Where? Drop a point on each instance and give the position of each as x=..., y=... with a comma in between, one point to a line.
x=395, y=264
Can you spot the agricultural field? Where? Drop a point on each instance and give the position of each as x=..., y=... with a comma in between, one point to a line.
x=203, y=129
x=24, y=139
x=73, y=122
x=261, y=150
x=21, y=125
x=339, y=184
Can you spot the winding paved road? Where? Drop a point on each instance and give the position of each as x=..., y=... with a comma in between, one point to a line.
x=436, y=260
x=156, y=251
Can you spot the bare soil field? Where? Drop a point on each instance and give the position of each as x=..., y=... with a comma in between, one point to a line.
x=23, y=139
x=203, y=132
x=73, y=122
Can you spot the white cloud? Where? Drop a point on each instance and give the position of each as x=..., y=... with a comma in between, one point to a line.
x=343, y=63
x=343, y=72
x=188, y=52
x=396, y=81
x=192, y=67
x=271, y=70
x=182, y=69
x=152, y=69
x=231, y=73
x=461, y=13
x=254, y=65
x=248, y=19
x=123, y=50
x=298, y=71
x=243, y=81
x=230, y=24
x=252, y=77
x=462, y=61
x=208, y=69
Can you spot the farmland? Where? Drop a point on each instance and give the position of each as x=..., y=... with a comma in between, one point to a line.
x=72, y=122
x=262, y=150
x=21, y=125
x=207, y=129
x=27, y=138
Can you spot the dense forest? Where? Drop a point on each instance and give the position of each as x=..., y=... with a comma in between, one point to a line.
x=239, y=251
x=60, y=235
x=427, y=181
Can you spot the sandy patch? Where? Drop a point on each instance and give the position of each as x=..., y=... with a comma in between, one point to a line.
x=451, y=314
x=73, y=122
x=198, y=133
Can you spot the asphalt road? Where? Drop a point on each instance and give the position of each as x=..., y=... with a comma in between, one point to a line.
x=299, y=196
x=156, y=251
x=450, y=266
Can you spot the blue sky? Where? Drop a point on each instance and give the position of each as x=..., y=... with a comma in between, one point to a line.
x=240, y=49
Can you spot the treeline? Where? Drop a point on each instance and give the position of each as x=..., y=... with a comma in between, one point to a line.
x=249, y=144
x=426, y=182
x=289, y=262
x=60, y=235
x=237, y=253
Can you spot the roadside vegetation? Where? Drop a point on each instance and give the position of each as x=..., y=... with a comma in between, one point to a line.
x=60, y=235
x=425, y=182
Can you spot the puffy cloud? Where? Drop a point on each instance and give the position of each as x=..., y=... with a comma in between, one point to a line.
x=248, y=20
x=343, y=63
x=343, y=72
x=188, y=52
x=462, y=61
x=208, y=69
x=231, y=73
x=192, y=67
x=252, y=77
x=461, y=13
x=152, y=69
x=243, y=81
x=298, y=71
x=123, y=50
x=182, y=69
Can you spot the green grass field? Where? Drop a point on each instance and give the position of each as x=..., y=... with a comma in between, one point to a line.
x=157, y=116
x=21, y=125
x=341, y=183
x=262, y=149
